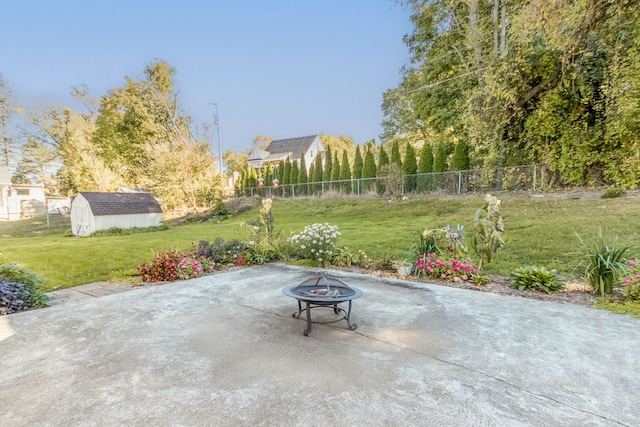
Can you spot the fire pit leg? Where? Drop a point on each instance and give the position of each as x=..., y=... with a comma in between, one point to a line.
x=351, y=326
x=297, y=315
x=308, y=330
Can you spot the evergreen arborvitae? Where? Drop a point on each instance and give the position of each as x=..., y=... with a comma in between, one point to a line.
x=328, y=163
x=345, y=173
x=268, y=175
x=383, y=157
x=317, y=174
x=395, y=154
x=357, y=164
x=335, y=172
x=253, y=178
x=369, y=167
x=410, y=168
x=302, y=176
x=293, y=176
x=460, y=160
x=280, y=173
x=426, y=159
x=383, y=161
x=312, y=172
x=287, y=172
x=440, y=159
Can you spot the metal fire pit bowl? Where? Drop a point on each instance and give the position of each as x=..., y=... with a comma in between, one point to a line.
x=323, y=292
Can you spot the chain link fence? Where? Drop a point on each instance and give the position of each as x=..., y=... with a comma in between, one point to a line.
x=530, y=178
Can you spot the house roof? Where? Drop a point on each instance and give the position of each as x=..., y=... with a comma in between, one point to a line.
x=5, y=175
x=295, y=147
x=121, y=203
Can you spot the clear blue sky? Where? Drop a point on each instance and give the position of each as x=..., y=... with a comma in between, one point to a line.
x=274, y=67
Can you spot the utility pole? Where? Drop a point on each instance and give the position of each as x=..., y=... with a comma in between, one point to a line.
x=216, y=123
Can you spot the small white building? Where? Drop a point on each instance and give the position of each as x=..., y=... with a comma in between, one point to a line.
x=100, y=211
x=19, y=201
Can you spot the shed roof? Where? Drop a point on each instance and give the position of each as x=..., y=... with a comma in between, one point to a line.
x=121, y=203
x=295, y=147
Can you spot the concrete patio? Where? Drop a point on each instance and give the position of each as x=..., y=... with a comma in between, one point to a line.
x=224, y=350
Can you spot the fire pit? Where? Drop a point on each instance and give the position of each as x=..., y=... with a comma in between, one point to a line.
x=323, y=292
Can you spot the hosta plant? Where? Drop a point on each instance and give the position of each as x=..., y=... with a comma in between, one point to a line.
x=535, y=278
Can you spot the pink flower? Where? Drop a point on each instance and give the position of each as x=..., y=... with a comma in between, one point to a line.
x=632, y=262
x=628, y=281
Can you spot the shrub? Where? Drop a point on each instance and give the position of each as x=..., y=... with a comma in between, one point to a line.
x=602, y=263
x=163, y=268
x=14, y=297
x=27, y=285
x=431, y=265
x=632, y=281
x=487, y=226
x=612, y=193
x=192, y=265
x=316, y=242
x=221, y=252
x=535, y=278
x=117, y=231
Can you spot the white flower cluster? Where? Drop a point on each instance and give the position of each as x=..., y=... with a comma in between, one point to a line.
x=317, y=241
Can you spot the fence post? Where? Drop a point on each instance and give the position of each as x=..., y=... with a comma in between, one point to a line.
x=459, y=182
x=534, y=177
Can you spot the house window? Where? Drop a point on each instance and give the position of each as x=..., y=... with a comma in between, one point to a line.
x=22, y=191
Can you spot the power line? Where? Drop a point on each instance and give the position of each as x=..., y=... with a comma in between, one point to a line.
x=428, y=85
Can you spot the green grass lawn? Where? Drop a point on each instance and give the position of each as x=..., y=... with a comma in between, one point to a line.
x=538, y=231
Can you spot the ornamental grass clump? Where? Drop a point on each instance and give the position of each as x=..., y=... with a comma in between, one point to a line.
x=316, y=242
x=603, y=263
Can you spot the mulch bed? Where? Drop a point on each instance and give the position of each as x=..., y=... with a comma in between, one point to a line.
x=574, y=293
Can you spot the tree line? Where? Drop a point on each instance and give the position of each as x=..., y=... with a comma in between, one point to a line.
x=369, y=162
x=136, y=136
x=525, y=81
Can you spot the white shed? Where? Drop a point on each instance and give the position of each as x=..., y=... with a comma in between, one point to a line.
x=99, y=211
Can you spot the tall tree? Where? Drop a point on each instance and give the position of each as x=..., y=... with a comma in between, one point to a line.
x=35, y=164
x=261, y=142
x=328, y=164
x=317, y=174
x=395, y=154
x=358, y=164
x=440, y=159
x=425, y=166
x=235, y=161
x=302, y=175
x=369, y=168
x=7, y=109
x=293, y=175
x=426, y=159
x=410, y=168
x=338, y=143
x=460, y=160
x=345, y=173
x=383, y=161
x=335, y=171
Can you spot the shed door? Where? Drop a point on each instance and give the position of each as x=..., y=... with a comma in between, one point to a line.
x=81, y=214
